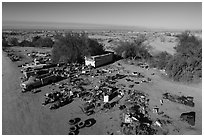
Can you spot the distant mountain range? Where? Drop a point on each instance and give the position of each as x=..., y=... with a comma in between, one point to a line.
x=73, y=26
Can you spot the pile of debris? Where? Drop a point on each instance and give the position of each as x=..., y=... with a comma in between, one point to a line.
x=37, y=75
x=36, y=54
x=102, y=97
x=189, y=117
x=58, y=99
x=12, y=56
x=179, y=99
x=136, y=119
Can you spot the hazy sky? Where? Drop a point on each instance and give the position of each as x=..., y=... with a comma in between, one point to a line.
x=165, y=15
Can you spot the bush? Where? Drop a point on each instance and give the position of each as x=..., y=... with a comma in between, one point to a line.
x=73, y=47
x=134, y=50
x=186, y=65
x=94, y=47
x=160, y=60
x=13, y=41
x=26, y=43
x=4, y=43
x=42, y=42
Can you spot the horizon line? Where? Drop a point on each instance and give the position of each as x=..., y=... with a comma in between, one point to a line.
x=85, y=23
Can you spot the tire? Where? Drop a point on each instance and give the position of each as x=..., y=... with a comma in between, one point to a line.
x=72, y=133
x=88, y=123
x=73, y=129
x=81, y=124
x=72, y=121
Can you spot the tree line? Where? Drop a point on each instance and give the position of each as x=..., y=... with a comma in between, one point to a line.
x=37, y=41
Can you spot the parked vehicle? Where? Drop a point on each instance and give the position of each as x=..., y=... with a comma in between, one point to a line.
x=35, y=81
x=27, y=74
x=33, y=66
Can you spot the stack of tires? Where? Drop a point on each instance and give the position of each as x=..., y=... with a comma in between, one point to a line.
x=77, y=124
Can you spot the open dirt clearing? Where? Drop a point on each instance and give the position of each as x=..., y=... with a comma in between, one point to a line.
x=162, y=43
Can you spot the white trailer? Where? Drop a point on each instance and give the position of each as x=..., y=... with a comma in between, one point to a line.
x=99, y=60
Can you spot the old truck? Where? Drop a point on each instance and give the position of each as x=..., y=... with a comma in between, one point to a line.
x=34, y=81
x=27, y=74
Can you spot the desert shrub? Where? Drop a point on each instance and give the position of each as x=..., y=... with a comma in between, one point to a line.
x=26, y=43
x=13, y=41
x=94, y=48
x=186, y=65
x=188, y=45
x=4, y=42
x=134, y=50
x=42, y=42
x=35, y=39
x=160, y=60
x=73, y=47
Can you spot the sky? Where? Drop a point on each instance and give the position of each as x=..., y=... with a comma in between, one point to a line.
x=151, y=15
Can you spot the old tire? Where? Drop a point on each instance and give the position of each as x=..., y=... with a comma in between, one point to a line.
x=81, y=124
x=74, y=121
x=72, y=133
x=88, y=123
x=73, y=128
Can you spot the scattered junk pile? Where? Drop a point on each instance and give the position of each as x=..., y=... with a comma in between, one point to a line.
x=58, y=99
x=143, y=65
x=37, y=75
x=12, y=56
x=189, y=117
x=182, y=100
x=101, y=97
x=40, y=56
x=136, y=119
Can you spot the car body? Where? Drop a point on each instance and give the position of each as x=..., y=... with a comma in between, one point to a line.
x=34, y=81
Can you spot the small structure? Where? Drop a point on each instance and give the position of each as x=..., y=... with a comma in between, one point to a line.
x=99, y=60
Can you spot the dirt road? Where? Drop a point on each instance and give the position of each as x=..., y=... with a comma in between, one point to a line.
x=23, y=113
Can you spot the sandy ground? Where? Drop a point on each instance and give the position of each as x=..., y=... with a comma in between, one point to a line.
x=23, y=114
x=159, y=46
